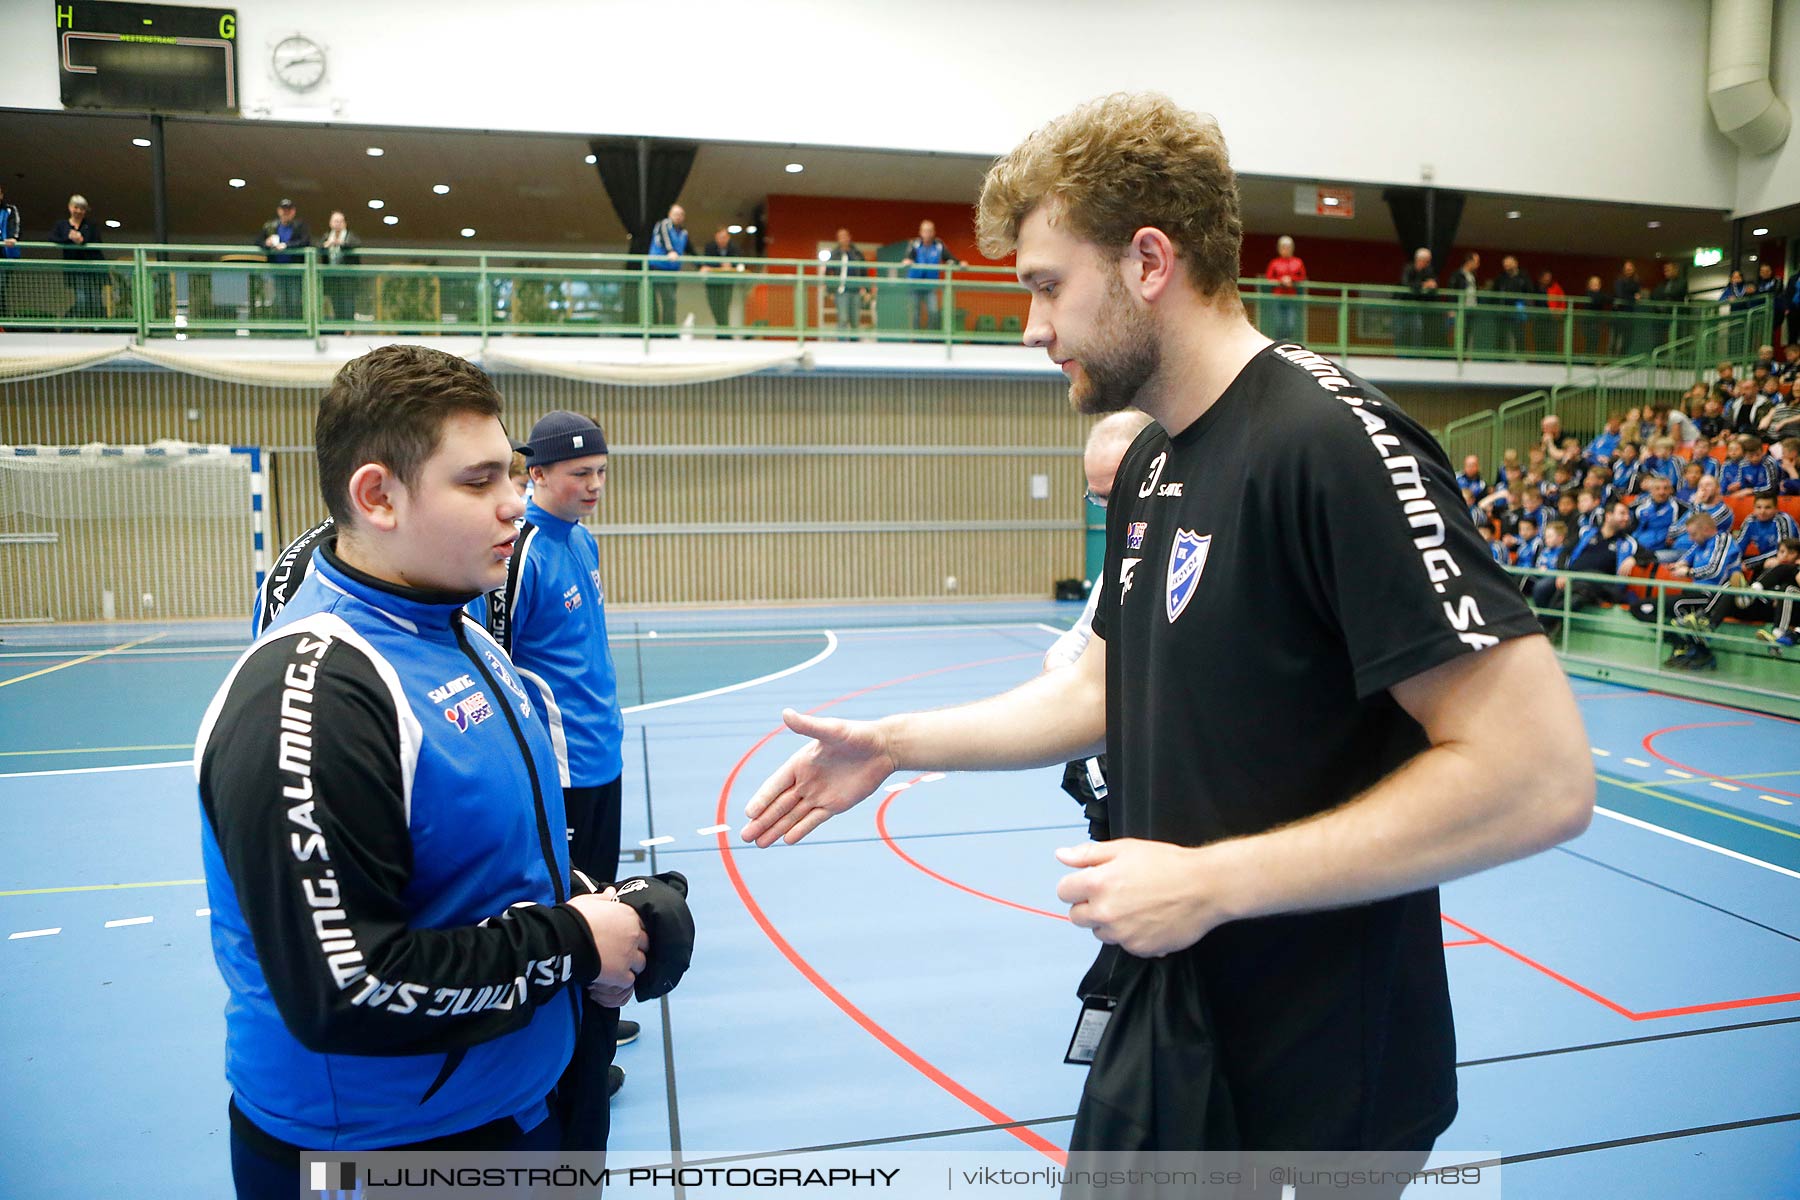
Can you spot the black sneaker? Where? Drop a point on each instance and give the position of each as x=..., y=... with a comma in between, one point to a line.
x=1703, y=660
x=1680, y=660
x=628, y=1032
x=615, y=1079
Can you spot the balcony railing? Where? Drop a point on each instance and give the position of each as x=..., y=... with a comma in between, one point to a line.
x=153, y=291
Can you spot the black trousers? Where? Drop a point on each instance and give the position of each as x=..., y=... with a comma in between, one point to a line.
x=586, y=1111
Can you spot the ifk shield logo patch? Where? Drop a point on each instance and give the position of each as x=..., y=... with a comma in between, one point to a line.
x=1187, y=558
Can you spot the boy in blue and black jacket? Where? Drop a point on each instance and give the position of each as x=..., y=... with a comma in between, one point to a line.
x=391, y=896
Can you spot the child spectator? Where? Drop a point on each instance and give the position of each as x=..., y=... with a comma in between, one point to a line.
x=1495, y=547
x=1625, y=469
x=1606, y=549
x=1781, y=579
x=1750, y=472
x=1691, y=474
x=1787, y=467
x=1530, y=546
x=1660, y=461
x=1511, y=474
x=1590, y=506
x=1530, y=508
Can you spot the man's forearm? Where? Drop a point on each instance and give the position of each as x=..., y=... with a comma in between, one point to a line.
x=1441, y=816
x=1051, y=718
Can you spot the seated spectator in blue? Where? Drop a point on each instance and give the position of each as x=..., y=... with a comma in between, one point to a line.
x=1607, y=441
x=1703, y=454
x=1660, y=461
x=1762, y=533
x=1787, y=467
x=1561, y=480
x=1590, y=506
x=1529, y=508
x=1748, y=469
x=1477, y=514
x=1556, y=546
x=1707, y=500
x=1713, y=559
x=1496, y=547
x=1567, y=509
x=1657, y=516
x=1530, y=545
x=1625, y=468
x=1606, y=549
x=1510, y=474
x=1470, y=477
x=1691, y=474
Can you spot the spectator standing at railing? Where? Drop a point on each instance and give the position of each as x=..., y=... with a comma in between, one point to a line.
x=1593, y=320
x=1624, y=308
x=1671, y=290
x=341, y=248
x=80, y=237
x=1421, y=281
x=1763, y=532
x=1287, y=273
x=719, y=289
x=1511, y=288
x=9, y=243
x=849, y=294
x=669, y=244
x=1466, y=288
x=1791, y=304
x=282, y=239
x=1549, y=326
x=926, y=259
x=1735, y=293
x=1768, y=283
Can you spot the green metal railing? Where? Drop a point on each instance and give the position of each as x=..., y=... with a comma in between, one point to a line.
x=1584, y=405
x=1606, y=643
x=212, y=291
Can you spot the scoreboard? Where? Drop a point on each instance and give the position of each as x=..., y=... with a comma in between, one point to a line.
x=160, y=57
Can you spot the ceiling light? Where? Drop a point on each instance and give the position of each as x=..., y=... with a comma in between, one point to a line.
x=1753, y=258
x=749, y=229
x=590, y=160
x=390, y=219
x=235, y=182
x=1759, y=233
x=112, y=224
x=467, y=232
x=140, y=141
x=795, y=168
x=1653, y=224
x=442, y=189
x=378, y=204
x=1331, y=202
x=1514, y=215
x=376, y=151
x=734, y=229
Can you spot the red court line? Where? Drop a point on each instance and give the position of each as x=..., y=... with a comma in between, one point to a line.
x=1651, y=750
x=1591, y=994
x=1467, y=942
x=906, y=1053
x=909, y=860
x=1749, y=712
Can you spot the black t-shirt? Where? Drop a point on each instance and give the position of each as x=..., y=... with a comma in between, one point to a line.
x=1271, y=571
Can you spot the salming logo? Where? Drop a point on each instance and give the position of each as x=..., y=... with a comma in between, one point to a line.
x=1461, y=610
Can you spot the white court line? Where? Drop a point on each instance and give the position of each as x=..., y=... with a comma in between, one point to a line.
x=656, y=841
x=1052, y=630
x=203, y=912
x=1778, y=800
x=728, y=634
x=31, y=933
x=129, y=921
x=1726, y=787
x=712, y=829
x=1682, y=837
x=1637, y=762
x=831, y=645
x=1676, y=774
x=159, y=652
x=186, y=762
x=1603, y=753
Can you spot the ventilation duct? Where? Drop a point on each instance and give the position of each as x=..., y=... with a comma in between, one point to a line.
x=1744, y=104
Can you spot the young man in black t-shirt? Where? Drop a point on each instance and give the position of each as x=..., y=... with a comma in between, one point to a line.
x=1309, y=677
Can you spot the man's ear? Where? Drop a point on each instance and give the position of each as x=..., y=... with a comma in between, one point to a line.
x=1150, y=264
x=375, y=496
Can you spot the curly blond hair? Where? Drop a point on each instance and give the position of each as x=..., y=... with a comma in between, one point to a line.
x=1114, y=166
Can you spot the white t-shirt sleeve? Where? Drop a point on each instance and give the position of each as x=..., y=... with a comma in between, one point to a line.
x=1069, y=646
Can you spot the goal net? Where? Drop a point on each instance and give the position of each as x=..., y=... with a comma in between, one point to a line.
x=168, y=532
